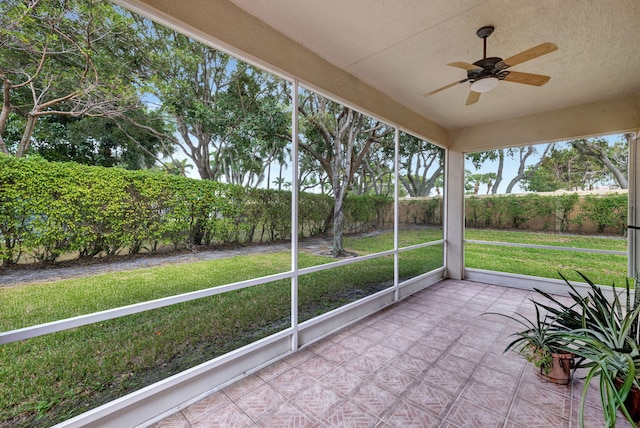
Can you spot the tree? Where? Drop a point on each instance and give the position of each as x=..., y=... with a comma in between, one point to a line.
x=280, y=155
x=600, y=150
x=541, y=180
x=376, y=175
x=478, y=159
x=522, y=154
x=580, y=165
x=421, y=165
x=230, y=117
x=177, y=167
x=56, y=59
x=524, y=171
x=562, y=168
x=311, y=176
x=101, y=141
x=478, y=179
x=338, y=139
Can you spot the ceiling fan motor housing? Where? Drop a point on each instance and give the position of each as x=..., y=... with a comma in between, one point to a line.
x=492, y=66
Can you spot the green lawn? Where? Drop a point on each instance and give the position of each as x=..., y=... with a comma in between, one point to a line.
x=604, y=269
x=48, y=379
x=559, y=240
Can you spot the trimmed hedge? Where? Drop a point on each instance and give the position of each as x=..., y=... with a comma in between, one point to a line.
x=48, y=209
x=563, y=213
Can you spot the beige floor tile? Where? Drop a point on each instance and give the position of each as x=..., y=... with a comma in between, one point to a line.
x=430, y=398
x=464, y=414
x=348, y=414
x=408, y=415
x=260, y=401
x=206, y=405
x=424, y=362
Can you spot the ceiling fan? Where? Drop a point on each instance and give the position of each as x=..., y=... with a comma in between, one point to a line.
x=486, y=73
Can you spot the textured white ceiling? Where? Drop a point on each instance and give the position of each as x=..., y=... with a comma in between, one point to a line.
x=402, y=47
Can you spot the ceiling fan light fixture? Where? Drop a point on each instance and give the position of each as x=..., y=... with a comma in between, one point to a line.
x=485, y=85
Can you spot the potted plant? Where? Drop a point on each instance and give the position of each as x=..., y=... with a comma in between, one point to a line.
x=616, y=369
x=605, y=334
x=540, y=344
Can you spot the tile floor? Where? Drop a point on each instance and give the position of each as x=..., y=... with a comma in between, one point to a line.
x=428, y=361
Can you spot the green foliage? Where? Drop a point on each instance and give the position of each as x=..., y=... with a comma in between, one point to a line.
x=557, y=212
x=519, y=210
x=541, y=180
x=486, y=212
x=422, y=211
x=580, y=165
x=270, y=212
x=433, y=211
x=365, y=212
x=563, y=207
x=601, y=331
x=57, y=59
x=421, y=166
x=48, y=209
x=16, y=196
x=76, y=370
x=101, y=141
x=606, y=211
x=53, y=208
x=314, y=214
x=341, y=143
x=477, y=212
x=233, y=119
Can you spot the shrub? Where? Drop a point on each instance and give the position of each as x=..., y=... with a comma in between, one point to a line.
x=563, y=207
x=520, y=209
x=557, y=211
x=314, y=214
x=606, y=211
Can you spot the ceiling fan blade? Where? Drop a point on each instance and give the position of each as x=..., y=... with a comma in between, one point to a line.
x=527, y=78
x=445, y=87
x=472, y=98
x=529, y=54
x=464, y=65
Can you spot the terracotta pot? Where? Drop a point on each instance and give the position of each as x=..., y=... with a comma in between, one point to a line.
x=560, y=372
x=632, y=403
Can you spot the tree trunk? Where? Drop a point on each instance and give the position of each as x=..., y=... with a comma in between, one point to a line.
x=4, y=113
x=338, y=198
x=407, y=184
x=431, y=181
x=26, y=136
x=338, y=231
x=494, y=189
x=619, y=176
